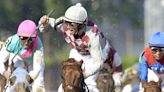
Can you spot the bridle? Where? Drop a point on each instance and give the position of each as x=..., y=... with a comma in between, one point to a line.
x=83, y=87
x=153, y=85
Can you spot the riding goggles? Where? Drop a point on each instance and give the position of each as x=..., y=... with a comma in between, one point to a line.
x=72, y=24
x=157, y=49
x=29, y=39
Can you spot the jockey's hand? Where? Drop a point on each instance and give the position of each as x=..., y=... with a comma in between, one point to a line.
x=7, y=74
x=44, y=20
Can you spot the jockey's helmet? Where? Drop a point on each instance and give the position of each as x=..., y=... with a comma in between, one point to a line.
x=76, y=13
x=157, y=40
x=27, y=28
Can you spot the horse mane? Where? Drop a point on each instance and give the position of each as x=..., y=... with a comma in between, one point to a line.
x=72, y=76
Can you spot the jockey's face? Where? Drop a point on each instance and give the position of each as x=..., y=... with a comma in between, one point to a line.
x=27, y=41
x=158, y=52
x=73, y=27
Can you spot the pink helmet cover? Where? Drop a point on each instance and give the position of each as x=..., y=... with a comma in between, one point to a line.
x=27, y=28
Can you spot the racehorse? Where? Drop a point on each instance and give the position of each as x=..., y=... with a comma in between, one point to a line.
x=154, y=82
x=105, y=82
x=72, y=76
x=152, y=86
x=19, y=81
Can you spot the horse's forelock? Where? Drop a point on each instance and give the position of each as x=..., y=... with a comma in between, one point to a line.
x=71, y=74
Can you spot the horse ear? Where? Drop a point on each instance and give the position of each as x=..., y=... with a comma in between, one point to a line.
x=159, y=81
x=80, y=62
x=12, y=80
x=29, y=79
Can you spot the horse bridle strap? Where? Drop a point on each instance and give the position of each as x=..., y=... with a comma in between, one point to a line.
x=153, y=85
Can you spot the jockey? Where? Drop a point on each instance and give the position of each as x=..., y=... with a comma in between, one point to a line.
x=24, y=49
x=87, y=42
x=152, y=59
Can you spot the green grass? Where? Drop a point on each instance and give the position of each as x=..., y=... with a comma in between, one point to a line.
x=58, y=56
x=129, y=60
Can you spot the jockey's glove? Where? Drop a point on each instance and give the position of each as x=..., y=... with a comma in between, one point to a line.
x=46, y=23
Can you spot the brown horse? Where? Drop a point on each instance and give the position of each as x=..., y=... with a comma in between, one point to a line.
x=72, y=76
x=152, y=86
x=105, y=82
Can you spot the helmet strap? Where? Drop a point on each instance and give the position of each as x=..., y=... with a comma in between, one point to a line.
x=81, y=29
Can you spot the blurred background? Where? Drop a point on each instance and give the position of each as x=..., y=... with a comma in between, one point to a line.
x=127, y=23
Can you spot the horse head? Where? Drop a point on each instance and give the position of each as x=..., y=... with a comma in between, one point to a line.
x=152, y=86
x=19, y=81
x=153, y=83
x=105, y=82
x=72, y=76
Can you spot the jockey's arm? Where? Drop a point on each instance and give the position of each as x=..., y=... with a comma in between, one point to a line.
x=143, y=69
x=96, y=54
x=117, y=70
x=52, y=23
x=4, y=56
x=38, y=63
x=117, y=63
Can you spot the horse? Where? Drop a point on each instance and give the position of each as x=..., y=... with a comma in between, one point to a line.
x=72, y=76
x=153, y=83
x=152, y=86
x=19, y=81
x=105, y=82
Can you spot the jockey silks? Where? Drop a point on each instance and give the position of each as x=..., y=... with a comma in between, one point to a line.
x=80, y=40
x=32, y=56
x=26, y=54
x=89, y=45
x=148, y=61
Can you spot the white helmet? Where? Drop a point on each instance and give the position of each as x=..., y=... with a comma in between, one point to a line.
x=76, y=13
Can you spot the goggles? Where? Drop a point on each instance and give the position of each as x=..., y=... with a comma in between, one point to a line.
x=29, y=39
x=157, y=49
x=72, y=24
